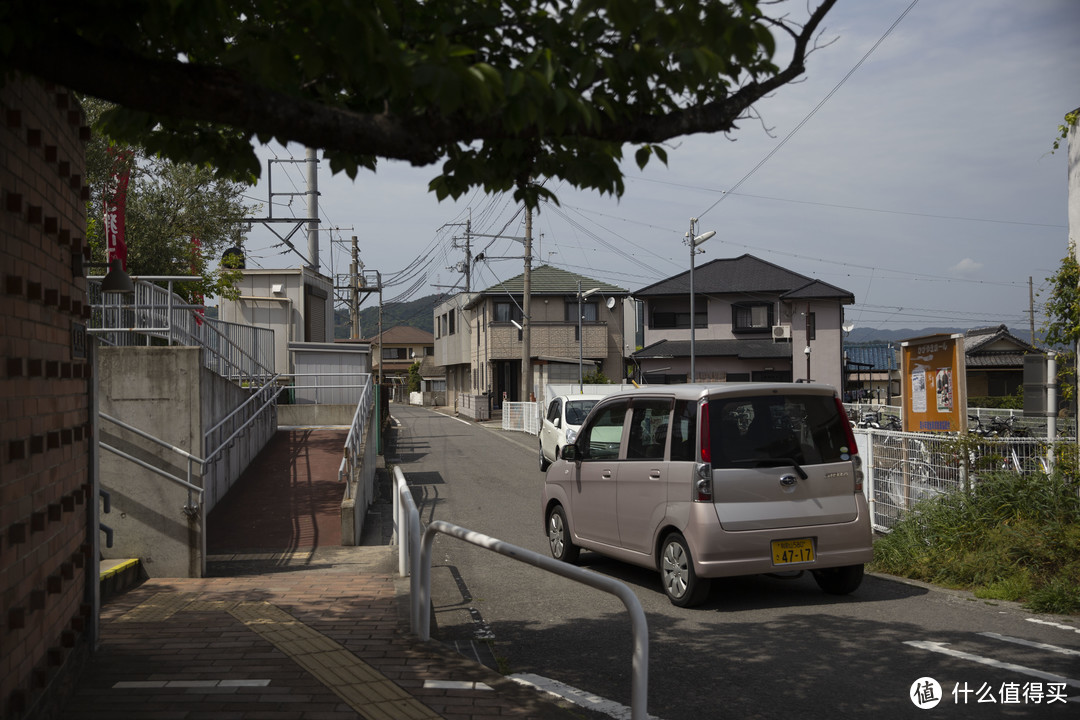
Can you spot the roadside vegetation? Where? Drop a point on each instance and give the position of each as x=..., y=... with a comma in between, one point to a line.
x=1012, y=537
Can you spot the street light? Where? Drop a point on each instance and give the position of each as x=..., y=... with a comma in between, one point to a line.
x=580, y=336
x=693, y=241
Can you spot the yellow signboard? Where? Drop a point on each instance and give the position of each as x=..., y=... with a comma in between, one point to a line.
x=934, y=378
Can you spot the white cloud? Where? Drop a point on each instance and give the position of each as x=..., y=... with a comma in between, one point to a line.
x=967, y=266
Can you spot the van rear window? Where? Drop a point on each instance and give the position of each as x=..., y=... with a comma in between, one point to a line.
x=752, y=430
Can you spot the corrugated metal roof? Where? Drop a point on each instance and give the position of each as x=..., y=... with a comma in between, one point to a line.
x=871, y=357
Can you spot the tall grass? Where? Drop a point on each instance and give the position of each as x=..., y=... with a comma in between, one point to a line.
x=1012, y=537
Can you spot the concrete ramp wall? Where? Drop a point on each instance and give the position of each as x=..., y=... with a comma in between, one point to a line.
x=166, y=392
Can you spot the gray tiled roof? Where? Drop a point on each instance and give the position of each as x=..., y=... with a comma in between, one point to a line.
x=547, y=280
x=745, y=274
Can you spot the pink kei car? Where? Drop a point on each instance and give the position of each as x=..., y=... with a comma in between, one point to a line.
x=704, y=481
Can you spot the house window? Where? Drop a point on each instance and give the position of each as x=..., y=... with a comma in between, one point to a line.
x=506, y=312
x=811, y=327
x=678, y=320
x=589, y=311
x=393, y=353
x=450, y=329
x=751, y=317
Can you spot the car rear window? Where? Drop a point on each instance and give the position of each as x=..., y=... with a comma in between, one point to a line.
x=752, y=430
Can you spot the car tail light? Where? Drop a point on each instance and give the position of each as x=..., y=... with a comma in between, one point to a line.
x=703, y=470
x=704, y=436
x=703, y=482
x=853, y=448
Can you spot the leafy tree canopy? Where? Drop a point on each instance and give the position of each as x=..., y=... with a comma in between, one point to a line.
x=168, y=205
x=498, y=91
x=1062, y=326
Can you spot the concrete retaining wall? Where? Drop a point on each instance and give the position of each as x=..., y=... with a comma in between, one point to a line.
x=166, y=392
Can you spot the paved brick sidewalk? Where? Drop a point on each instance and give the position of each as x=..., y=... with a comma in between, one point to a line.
x=291, y=626
x=321, y=638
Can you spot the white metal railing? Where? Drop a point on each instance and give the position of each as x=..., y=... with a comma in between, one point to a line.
x=420, y=587
x=521, y=416
x=904, y=468
x=191, y=508
x=358, y=454
x=243, y=353
x=258, y=407
x=327, y=388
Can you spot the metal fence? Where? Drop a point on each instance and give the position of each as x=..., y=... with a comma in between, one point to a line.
x=239, y=352
x=521, y=416
x=905, y=468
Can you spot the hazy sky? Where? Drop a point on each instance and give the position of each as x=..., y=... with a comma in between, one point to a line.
x=923, y=182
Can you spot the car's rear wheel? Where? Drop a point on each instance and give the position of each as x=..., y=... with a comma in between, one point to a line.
x=562, y=548
x=683, y=587
x=839, y=580
x=544, y=463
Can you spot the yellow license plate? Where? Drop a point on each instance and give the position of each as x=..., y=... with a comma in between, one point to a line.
x=785, y=552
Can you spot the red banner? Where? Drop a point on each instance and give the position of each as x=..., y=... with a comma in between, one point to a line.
x=196, y=263
x=115, y=206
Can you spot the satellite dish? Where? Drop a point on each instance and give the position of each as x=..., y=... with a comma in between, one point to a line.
x=848, y=327
x=610, y=303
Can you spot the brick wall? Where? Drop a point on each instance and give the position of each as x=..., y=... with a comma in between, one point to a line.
x=46, y=556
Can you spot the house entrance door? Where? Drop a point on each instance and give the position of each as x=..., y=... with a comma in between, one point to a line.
x=507, y=381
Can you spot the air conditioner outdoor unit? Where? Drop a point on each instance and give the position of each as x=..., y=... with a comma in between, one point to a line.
x=781, y=332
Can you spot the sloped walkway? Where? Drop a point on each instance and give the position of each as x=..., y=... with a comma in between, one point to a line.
x=290, y=626
x=288, y=499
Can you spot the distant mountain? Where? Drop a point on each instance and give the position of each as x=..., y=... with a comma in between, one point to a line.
x=418, y=313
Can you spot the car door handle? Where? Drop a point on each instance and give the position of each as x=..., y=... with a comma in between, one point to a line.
x=654, y=474
x=606, y=474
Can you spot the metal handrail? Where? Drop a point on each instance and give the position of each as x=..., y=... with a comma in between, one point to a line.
x=190, y=508
x=408, y=539
x=420, y=589
x=159, y=312
x=270, y=389
x=354, y=441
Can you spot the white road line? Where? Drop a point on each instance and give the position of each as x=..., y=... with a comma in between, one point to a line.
x=1020, y=669
x=1059, y=626
x=455, y=685
x=1029, y=643
x=189, y=684
x=578, y=697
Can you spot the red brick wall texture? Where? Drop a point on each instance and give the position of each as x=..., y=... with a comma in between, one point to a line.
x=45, y=413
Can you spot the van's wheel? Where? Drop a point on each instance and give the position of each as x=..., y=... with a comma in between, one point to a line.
x=544, y=464
x=839, y=580
x=683, y=587
x=562, y=548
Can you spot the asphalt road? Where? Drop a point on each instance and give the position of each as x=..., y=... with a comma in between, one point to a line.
x=760, y=647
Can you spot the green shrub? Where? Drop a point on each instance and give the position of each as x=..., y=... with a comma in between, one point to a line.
x=1012, y=537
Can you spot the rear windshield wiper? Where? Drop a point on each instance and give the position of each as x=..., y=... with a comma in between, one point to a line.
x=771, y=462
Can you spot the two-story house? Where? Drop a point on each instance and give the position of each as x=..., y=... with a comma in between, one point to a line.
x=754, y=321
x=479, y=336
x=396, y=349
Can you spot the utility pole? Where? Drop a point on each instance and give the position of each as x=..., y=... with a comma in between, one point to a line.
x=1031, y=309
x=526, y=323
x=313, y=208
x=354, y=284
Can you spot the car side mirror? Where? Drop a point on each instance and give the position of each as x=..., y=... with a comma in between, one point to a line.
x=570, y=453
x=557, y=422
